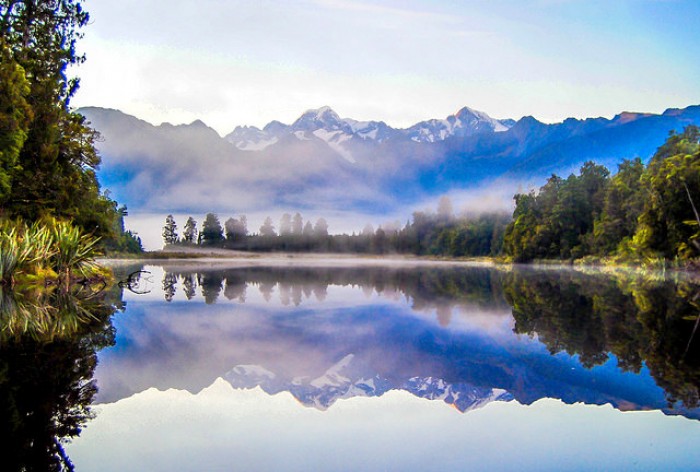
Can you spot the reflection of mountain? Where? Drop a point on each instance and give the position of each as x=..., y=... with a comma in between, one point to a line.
x=590, y=338
x=345, y=380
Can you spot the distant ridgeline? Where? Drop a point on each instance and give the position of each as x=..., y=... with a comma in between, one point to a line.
x=324, y=161
x=642, y=213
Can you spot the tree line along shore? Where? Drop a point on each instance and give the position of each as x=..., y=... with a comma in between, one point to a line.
x=53, y=208
x=643, y=214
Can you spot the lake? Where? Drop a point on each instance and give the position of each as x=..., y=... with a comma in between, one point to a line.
x=355, y=365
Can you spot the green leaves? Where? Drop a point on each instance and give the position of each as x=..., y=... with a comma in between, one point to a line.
x=52, y=247
x=641, y=213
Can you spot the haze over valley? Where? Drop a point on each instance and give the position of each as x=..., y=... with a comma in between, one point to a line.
x=352, y=172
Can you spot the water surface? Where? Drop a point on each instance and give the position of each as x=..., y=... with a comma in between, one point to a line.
x=298, y=366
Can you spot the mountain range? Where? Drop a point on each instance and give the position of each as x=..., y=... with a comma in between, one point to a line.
x=342, y=381
x=322, y=161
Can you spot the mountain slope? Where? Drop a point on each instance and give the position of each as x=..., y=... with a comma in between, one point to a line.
x=325, y=162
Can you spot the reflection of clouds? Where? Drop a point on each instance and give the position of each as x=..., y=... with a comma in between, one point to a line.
x=394, y=432
x=431, y=325
x=298, y=286
x=184, y=343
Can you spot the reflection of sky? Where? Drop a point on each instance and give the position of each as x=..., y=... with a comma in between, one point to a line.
x=164, y=403
x=187, y=344
x=224, y=429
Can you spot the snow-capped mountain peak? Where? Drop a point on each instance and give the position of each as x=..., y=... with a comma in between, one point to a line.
x=322, y=118
x=250, y=138
x=325, y=124
x=348, y=378
x=465, y=122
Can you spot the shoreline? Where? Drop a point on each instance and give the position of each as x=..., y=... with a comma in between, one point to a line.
x=232, y=258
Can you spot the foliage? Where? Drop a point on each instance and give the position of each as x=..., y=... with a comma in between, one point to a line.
x=640, y=320
x=48, y=353
x=170, y=230
x=641, y=213
x=667, y=224
x=267, y=229
x=212, y=232
x=236, y=229
x=47, y=250
x=557, y=221
x=190, y=233
x=73, y=250
x=15, y=115
x=48, y=160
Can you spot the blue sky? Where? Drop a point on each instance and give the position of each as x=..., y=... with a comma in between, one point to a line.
x=241, y=62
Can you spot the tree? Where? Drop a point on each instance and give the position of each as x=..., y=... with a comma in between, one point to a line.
x=190, y=232
x=267, y=229
x=236, y=230
x=297, y=224
x=444, y=209
x=230, y=228
x=170, y=230
x=286, y=225
x=321, y=228
x=308, y=230
x=622, y=206
x=212, y=232
x=48, y=155
x=667, y=224
x=15, y=116
x=244, y=225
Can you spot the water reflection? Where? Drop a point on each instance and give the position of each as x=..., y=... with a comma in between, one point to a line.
x=640, y=321
x=466, y=336
x=48, y=353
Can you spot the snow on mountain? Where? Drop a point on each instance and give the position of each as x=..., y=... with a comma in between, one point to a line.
x=250, y=138
x=347, y=380
x=463, y=396
x=323, y=118
x=334, y=139
x=466, y=122
x=338, y=133
x=332, y=377
x=373, y=130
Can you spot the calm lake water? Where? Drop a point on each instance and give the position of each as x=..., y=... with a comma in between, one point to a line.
x=359, y=365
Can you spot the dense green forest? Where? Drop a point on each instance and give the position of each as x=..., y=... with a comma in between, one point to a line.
x=641, y=213
x=48, y=160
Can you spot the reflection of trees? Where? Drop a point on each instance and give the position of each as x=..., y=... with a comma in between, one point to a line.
x=211, y=284
x=169, y=286
x=430, y=288
x=48, y=353
x=639, y=321
x=189, y=285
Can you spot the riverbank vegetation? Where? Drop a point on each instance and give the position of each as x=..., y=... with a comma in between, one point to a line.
x=644, y=213
x=429, y=234
x=49, y=252
x=48, y=160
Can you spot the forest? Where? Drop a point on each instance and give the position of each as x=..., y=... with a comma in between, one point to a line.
x=643, y=213
x=53, y=213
